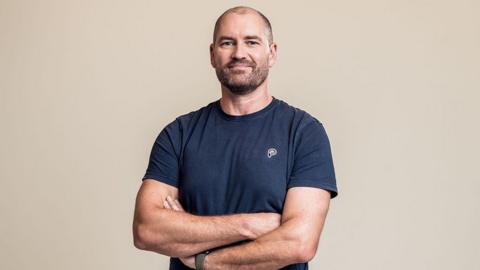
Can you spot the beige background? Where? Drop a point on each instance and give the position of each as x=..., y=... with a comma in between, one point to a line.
x=86, y=86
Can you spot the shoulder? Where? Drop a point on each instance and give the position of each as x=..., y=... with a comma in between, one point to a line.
x=299, y=118
x=175, y=130
x=185, y=120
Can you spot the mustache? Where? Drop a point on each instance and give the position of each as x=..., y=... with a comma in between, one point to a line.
x=241, y=62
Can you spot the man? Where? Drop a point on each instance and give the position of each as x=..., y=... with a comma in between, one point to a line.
x=244, y=182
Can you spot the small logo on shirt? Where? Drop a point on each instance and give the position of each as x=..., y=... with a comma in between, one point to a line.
x=271, y=152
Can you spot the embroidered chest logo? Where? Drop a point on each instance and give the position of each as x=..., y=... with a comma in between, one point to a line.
x=271, y=152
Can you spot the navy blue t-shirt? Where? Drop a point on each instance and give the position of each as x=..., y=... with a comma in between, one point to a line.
x=224, y=164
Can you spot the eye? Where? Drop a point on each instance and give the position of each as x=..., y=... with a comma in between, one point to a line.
x=226, y=43
x=252, y=42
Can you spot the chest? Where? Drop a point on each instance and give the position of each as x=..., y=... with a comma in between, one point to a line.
x=231, y=170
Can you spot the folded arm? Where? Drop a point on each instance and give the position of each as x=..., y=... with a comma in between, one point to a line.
x=295, y=241
x=180, y=234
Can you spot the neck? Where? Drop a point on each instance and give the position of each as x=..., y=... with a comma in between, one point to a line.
x=245, y=104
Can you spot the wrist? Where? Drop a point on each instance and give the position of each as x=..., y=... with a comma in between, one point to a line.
x=207, y=264
x=200, y=260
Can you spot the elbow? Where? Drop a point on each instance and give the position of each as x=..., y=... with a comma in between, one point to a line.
x=144, y=239
x=140, y=237
x=305, y=256
x=306, y=251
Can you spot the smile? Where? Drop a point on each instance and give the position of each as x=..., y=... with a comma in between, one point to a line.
x=243, y=67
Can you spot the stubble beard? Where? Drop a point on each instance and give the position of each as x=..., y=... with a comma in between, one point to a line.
x=242, y=82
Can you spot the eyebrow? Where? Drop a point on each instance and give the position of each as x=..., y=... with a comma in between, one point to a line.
x=253, y=37
x=231, y=38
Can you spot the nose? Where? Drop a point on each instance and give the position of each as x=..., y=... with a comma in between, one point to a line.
x=239, y=52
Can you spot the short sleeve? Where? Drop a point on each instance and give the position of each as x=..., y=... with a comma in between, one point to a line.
x=163, y=164
x=313, y=164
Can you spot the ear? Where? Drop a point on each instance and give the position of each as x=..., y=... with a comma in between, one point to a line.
x=272, y=56
x=212, y=56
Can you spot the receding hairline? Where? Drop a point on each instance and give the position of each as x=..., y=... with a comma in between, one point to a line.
x=244, y=10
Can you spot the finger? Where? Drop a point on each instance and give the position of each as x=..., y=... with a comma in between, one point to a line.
x=166, y=205
x=172, y=204
x=175, y=207
x=177, y=203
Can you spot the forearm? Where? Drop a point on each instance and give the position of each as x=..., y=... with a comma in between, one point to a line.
x=179, y=234
x=274, y=250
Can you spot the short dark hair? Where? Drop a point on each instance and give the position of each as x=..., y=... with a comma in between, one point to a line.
x=243, y=10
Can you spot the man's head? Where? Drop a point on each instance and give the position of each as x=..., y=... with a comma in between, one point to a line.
x=243, y=10
x=242, y=50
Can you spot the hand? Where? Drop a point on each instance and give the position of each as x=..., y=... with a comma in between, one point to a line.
x=171, y=204
x=175, y=205
x=189, y=261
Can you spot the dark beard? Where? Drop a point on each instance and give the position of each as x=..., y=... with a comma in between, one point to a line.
x=256, y=78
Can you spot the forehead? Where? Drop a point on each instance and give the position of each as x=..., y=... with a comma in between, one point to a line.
x=237, y=25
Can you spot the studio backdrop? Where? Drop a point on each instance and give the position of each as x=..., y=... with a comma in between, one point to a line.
x=86, y=86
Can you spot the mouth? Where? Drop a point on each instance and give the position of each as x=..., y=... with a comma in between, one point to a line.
x=239, y=67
